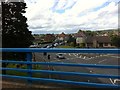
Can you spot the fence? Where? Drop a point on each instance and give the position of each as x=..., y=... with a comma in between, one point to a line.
x=30, y=70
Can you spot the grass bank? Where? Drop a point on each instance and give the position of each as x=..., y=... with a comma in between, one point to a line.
x=20, y=73
x=65, y=46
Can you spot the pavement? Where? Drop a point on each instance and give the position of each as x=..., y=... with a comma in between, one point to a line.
x=8, y=84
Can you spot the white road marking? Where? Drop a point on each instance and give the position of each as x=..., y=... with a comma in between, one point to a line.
x=74, y=54
x=55, y=60
x=80, y=56
x=112, y=81
x=89, y=58
x=115, y=80
x=69, y=54
x=91, y=71
x=65, y=53
x=84, y=57
x=102, y=61
x=111, y=55
x=115, y=56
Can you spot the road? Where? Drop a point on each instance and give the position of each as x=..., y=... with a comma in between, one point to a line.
x=104, y=59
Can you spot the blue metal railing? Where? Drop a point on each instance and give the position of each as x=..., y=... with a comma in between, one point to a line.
x=30, y=71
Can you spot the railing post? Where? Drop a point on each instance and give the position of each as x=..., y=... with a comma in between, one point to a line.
x=29, y=66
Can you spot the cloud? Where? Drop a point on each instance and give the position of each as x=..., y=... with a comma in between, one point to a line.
x=71, y=15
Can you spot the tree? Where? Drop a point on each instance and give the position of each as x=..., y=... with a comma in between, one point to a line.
x=79, y=31
x=89, y=33
x=0, y=31
x=115, y=40
x=82, y=45
x=71, y=41
x=15, y=33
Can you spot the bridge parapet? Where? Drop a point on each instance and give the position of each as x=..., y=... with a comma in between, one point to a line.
x=30, y=70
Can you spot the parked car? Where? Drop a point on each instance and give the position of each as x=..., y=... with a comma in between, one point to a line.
x=33, y=46
x=55, y=44
x=45, y=46
x=48, y=46
x=60, y=56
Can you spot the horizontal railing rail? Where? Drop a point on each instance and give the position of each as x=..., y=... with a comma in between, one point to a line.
x=61, y=50
x=30, y=70
x=63, y=73
x=64, y=64
x=88, y=84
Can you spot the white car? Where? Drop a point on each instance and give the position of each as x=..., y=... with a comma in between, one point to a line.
x=33, y=46
x=60, y=56
x=55, y=44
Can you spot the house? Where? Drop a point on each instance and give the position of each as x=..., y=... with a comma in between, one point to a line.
x=80, y=37
x=49, y=38
x=98, y=42
x=102, y=41
x=62, y=36
x=89, y=41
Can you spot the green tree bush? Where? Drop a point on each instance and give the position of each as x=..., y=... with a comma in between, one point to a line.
x=15, y=33
x=115, y=40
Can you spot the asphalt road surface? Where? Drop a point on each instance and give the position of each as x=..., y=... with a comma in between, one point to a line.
x=79, y=58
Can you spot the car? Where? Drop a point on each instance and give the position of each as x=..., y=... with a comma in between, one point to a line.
x=60, y=56
x=33, y=46
x=48, y=46
x=45, y=46
x=55, y=44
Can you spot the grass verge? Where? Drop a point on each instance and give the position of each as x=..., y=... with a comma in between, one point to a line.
x=65, y=46
x=20, y=73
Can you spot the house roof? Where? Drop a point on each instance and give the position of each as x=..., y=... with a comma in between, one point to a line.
x=49, y=37
x=89, y=39
x=62, y=35
x=102, y=39
x=99, y=39
x=80, y=34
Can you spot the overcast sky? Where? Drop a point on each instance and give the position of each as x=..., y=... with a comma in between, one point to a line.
x=56, y=16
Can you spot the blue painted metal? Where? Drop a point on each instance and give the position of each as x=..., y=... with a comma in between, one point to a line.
x=29, y=66
x=64, y=81
x=29, y=63
x=64, y=64
x=61, y=50
x=64, y=73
